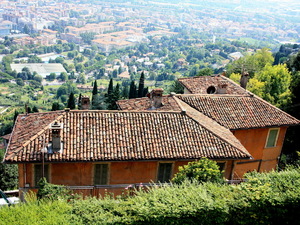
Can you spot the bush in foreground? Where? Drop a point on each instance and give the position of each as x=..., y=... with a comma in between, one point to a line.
x=271, y=198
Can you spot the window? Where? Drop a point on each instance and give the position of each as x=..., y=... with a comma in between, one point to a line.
x=272, y=138
x=100, y=174
x=38, y=173
x=221, y=166
x=164, y=172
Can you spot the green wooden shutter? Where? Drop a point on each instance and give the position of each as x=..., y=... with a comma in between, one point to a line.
x=164, y=172
x=101, y=174
x=271, y=142
x=38, y=173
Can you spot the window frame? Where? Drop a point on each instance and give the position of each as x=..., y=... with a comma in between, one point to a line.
x=276, y=138
x=108, y=173
x=47, y=173
x=171, y=172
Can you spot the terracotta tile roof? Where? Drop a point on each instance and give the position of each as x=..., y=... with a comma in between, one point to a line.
x=239, y=111
x=199, y=85
x=141, y=104
x=118, y=136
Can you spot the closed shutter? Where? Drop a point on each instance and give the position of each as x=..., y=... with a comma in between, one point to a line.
x=101, y=174
x=164, y=172
x=38, y=173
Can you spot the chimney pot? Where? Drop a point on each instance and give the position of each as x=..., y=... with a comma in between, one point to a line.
x=56, y=136
x=156, y=97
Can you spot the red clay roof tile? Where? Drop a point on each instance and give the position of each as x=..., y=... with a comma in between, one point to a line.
x=239, y=111
x=120, y=136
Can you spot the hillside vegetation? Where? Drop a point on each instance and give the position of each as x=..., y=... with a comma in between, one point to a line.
x=268, y=198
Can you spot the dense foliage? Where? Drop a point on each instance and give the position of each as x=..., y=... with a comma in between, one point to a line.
x=203, y=170
x=9, y=175
x=268, y=198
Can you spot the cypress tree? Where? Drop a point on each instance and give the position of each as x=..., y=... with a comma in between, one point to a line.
x=145, y=91
x=79, y=101
x=125, y=92
x=95, y=88
x=71, y=101
x=132, y=90
x=110, y=87
x=112, y=105
x=16, y=115
x=141, y=85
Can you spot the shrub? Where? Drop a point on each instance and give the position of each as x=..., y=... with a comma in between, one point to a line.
x=52, y=191
x=203, y=170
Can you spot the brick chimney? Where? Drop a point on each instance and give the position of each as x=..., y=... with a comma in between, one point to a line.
x=156, y=97
x=222, y=88
x=85, y=102
x=56, y=137
x=244, y=79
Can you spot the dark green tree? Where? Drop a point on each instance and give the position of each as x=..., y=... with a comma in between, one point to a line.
x=35, y=109
x=176, y=87
x=141, y=85
x=125, y=92
x=95, y=88
x=16, y=115
x=113, y=98
x=9, y=174
x=71, y=101
x=132, y=90
x=79, y=102
x=96, y=98
x=55, y=106
x=110, y=87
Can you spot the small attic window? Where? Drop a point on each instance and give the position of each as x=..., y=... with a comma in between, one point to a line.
x=211, y=90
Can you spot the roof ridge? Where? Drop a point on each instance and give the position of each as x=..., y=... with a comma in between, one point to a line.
x=123, y=111
x=191, y=111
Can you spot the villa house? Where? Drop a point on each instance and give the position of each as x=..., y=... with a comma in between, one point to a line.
x=92, y=151
x=259, y=126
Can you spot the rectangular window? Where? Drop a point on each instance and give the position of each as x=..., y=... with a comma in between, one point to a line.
x=164, y=172
x=221, y=166
x=100, y=174
x=272, y=138
x=38, y=173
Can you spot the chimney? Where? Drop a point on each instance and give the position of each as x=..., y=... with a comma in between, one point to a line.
x=244, y=79
x=56, y=137
x=222, y=88
x=156, y=97
x=85, y=102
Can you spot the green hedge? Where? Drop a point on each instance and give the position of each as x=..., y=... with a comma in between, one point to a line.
x=272, y=198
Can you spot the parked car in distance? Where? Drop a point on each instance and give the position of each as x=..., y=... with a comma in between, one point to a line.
x=5, y=200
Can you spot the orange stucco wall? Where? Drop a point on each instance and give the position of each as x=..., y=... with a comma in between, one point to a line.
x=264, y=159
x=82, y=174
